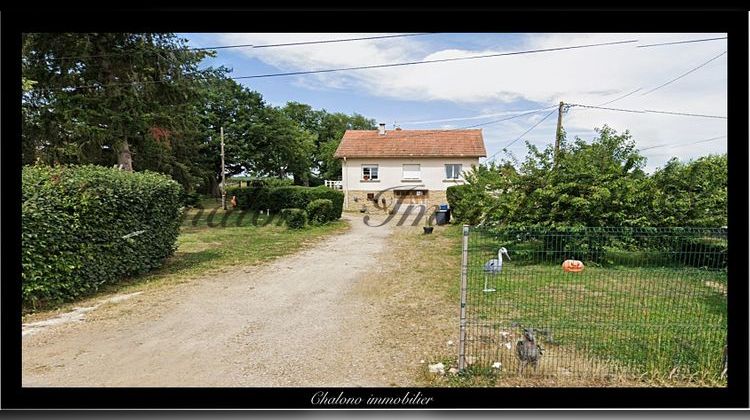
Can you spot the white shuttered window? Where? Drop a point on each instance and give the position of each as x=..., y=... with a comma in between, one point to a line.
x=412, y=171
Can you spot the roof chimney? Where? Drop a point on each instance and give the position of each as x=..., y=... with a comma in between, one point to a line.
x=381, y=129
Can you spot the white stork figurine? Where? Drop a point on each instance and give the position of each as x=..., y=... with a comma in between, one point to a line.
x=493, y=267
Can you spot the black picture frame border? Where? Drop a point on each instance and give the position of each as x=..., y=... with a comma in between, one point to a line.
x=169, y=19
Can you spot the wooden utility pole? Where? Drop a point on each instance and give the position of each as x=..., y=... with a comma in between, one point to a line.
x=558, y=136
x=223, y=180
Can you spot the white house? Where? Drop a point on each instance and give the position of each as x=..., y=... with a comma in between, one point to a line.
x=380, y=168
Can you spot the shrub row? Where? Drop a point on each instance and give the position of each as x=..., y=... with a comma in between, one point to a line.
x=277, y=198
x=295, y=218
x=84, y=226
x=261, y=182
x=320, y=211
x=645, y=247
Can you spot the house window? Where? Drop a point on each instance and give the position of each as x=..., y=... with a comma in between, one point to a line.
x=452, y=171
x=412, y=171
x=369, y=172
x=410, y=193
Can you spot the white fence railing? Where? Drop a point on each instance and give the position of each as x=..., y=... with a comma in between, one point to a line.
x=336, y=185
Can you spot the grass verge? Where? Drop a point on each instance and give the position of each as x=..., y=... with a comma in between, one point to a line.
x=207, y=244
x=419, y=287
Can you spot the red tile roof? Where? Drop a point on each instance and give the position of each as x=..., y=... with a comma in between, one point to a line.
x=409, y=143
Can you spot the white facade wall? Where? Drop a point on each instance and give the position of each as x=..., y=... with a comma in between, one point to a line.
x=390, y=171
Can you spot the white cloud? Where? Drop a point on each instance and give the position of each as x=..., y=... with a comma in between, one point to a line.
x=588, y=76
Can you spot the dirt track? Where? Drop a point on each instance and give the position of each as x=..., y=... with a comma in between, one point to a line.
x=297, y=321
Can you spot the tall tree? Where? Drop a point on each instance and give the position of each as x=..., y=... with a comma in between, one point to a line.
x=241, y=112
x=600, y=183
x=284, y=148
x=327, y=128
x=692, y=193
x=332, y=128
x=103, y=98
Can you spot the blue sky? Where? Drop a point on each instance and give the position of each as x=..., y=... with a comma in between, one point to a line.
x=489, y=89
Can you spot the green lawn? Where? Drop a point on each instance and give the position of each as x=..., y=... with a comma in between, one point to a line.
x=242, y=240
x=655, y=321
x=212, y=238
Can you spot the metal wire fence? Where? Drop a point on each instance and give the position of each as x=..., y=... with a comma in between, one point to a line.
x=648, y=301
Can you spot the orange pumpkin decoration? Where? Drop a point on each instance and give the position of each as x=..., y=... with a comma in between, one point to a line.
x=572, y=266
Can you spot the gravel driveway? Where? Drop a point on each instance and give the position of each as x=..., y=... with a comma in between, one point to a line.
x=293, y=322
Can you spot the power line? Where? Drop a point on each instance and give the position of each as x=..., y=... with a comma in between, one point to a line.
x=473, y=117
x=440, y=60
x=649, y=111
x=521, y=136
x=605, y=103
x=288, y=44
x=684, y=144
x=620, y=98
x=664, y=84
x=608, y=109
x=511, y=117
x=686, y=114
x=410, y=63
x=430, y=132
x=680, y=42
x=501, y=120
x=682, y=75
x=529, y=130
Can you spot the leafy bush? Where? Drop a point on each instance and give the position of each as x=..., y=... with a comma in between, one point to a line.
x=295, y=218
x=191, y=199
x=266, y=182
x=278, y=198
x=84, y=226
x=702, y=252
x=320, y=211
x=462, y=207
x=692, y=193
x=597, y=183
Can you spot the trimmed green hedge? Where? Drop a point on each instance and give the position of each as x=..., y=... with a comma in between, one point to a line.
x=81, y=228
x=320, y=211
x=277, y=198
x=259, y=182
x=295, y=218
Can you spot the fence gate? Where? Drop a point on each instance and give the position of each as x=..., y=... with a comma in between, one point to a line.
x=648, y=303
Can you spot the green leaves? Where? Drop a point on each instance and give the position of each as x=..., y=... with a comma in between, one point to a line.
x=74, y=219
x=320, y=211
x=95, y=91
x=692, y=193
x=278, y=198
x=594, y=184
x=295, y=218
x=86, y=95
